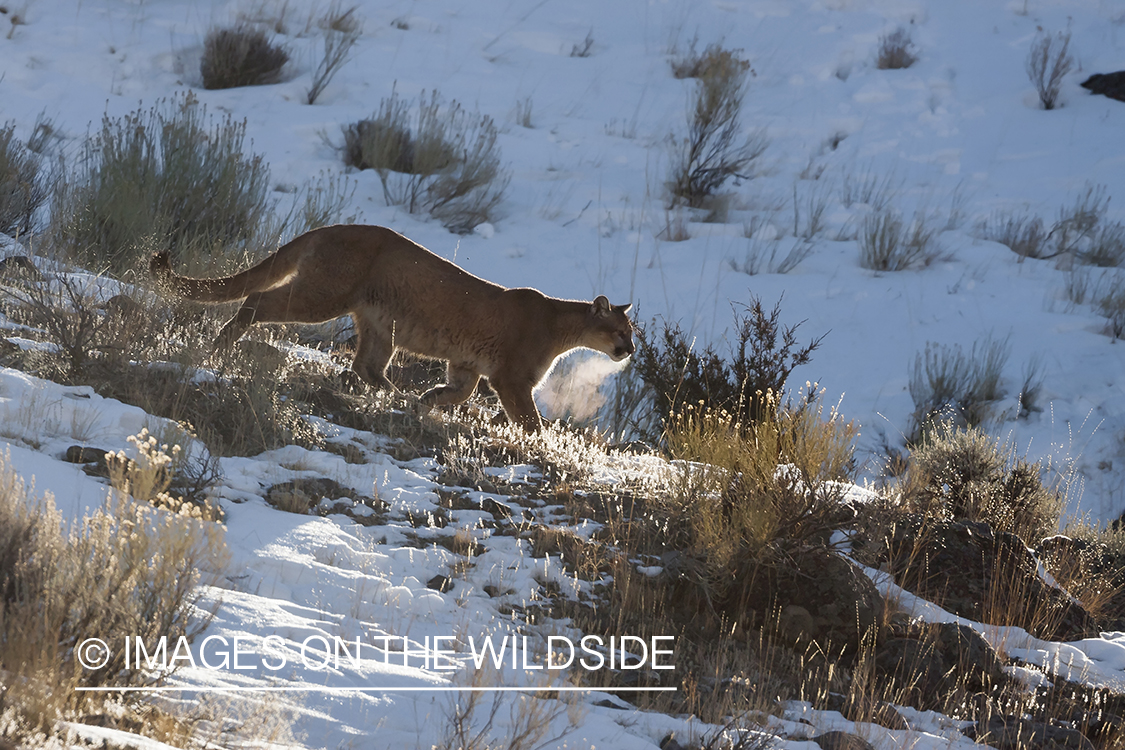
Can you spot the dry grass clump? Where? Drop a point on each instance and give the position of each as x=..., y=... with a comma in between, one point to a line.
x=24, y=184
x=948, y=385
x=887, y=243
x=167, y=177
x=895, y=50
x=125, y=569
x=714, y=61
x=1080, y=231
x=1023, y=234
x=240, y=56
x=679, y=374
x=1048, y=62
x=447, y=163
x=967, y=475
x=714, y=149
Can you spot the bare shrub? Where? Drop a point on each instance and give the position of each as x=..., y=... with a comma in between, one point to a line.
x=240, y=56
x=127, y=569
x=966, y=475
x=166, y=177
x=714, y=149
x=447, y=164
x=1078, y=230
x=770, y=256
x=946, y=384
x=894, y=50
x=1047, y=64
x=341, y=29
x=24, y=184
x=760, y=361
x=583, y=48
x=75, y=316
x=886, y=243
x=1107, y=247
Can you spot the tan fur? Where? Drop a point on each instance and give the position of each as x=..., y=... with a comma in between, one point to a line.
x=402, y=296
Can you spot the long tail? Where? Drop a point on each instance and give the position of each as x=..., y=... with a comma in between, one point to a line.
x=266, y=274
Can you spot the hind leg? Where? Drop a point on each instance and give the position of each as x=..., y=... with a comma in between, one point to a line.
x=286, y=304
x=373, y=354
x=460, y=382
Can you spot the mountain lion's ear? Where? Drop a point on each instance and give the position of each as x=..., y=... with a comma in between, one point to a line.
x=625, y=308
x=601, y=306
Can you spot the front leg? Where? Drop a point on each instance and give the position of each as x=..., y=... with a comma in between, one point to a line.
x=460, y=383
x=515, y=397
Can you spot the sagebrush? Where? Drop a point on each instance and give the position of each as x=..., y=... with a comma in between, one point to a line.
x=445, y=163
x=167, y=177
x=764, y=352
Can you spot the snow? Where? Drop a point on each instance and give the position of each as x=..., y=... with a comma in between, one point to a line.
x=582, y=217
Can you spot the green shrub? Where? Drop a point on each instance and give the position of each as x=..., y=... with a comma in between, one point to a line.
x=168, y=177
x=24, y=186
x=679, y=374
x=966, y=475
x=240, y=56
x=446, y=164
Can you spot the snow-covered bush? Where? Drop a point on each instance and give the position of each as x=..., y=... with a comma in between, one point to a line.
x=447, y=163
x=240, y=56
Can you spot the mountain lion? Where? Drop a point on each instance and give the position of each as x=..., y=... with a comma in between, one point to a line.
x=402, y=296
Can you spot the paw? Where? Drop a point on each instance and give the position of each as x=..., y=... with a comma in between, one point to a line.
x=350, y=382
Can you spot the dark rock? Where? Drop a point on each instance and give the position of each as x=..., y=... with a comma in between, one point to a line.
x=1068, y=558
x=975, y=660
x=1014, y=733
x=997, y=577
x=819, y=596
x=81, y=454
x=497, y=509
x=440, y=583
x=1107, y=84
x=916, y=669
x=125, y=309
x=669, y=742
x=302, y=495
x=842, y=741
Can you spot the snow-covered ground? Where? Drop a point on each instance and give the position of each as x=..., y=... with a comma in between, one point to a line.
x=959, y=134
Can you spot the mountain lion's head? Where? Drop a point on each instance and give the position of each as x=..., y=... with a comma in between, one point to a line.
x=612, y=331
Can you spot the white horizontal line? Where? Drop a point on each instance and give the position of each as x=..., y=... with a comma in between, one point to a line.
x=316, y=689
